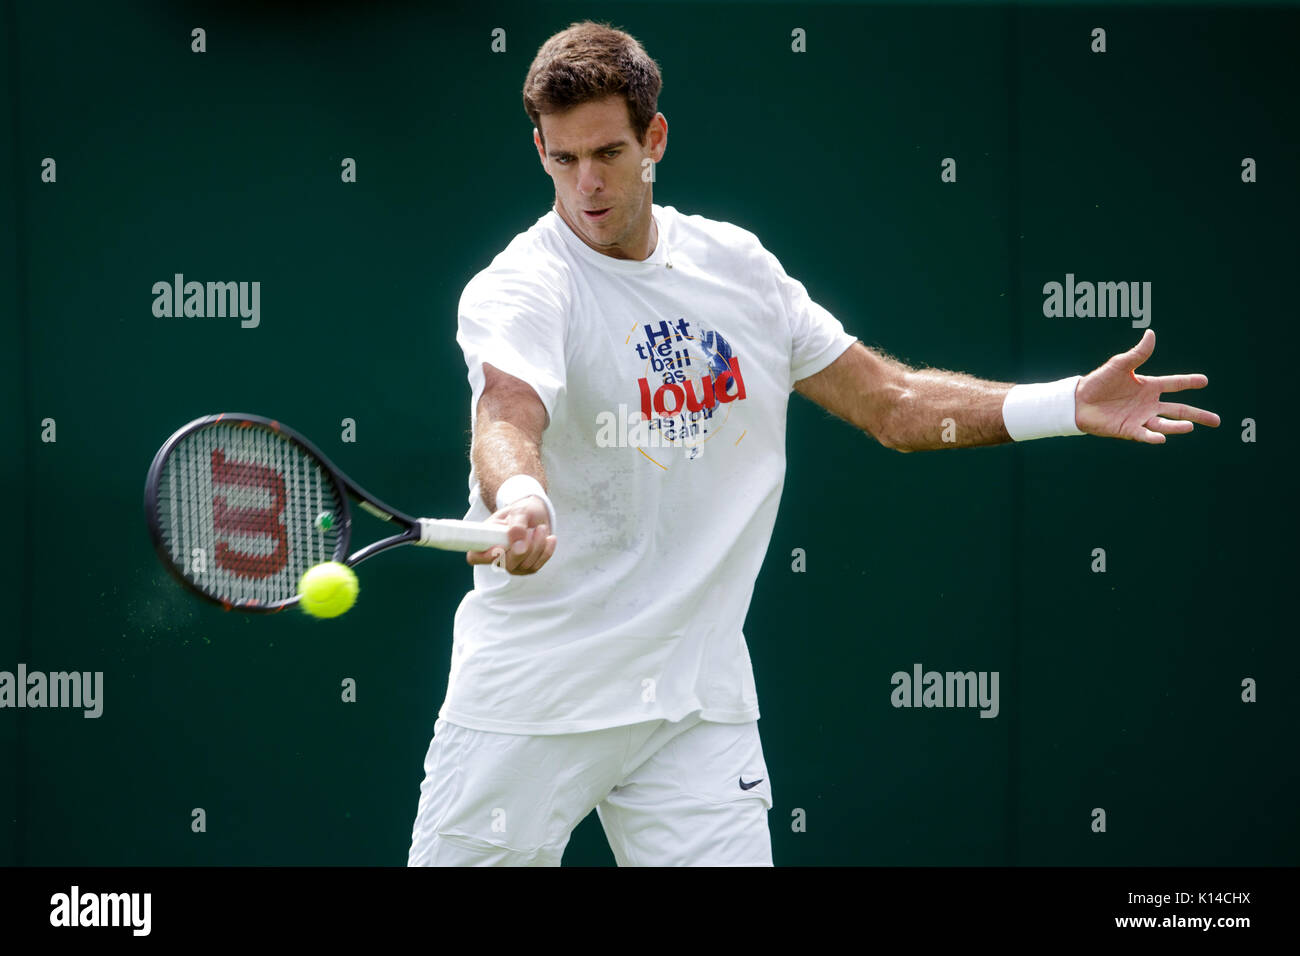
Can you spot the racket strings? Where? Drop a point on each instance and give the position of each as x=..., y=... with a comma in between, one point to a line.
x=238, y=508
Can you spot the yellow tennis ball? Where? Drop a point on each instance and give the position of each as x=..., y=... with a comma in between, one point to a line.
x=328, y=589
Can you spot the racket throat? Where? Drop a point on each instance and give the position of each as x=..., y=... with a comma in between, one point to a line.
x=377, y=512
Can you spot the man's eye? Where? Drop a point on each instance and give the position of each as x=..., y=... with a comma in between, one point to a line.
x=611, y=153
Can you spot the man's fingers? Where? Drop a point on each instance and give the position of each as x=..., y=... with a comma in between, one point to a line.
x=1188, y=413
x=548, y=549
x=482, y=557
x=1139, y=353
x=1176, y=383
x=536, y=545
x=539, y=546
x=526, y=548
x=519, y=551
x=1166, y=427
x=518, y=536
x=540, y=552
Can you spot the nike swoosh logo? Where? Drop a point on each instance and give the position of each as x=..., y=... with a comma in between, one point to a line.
x=751, y=785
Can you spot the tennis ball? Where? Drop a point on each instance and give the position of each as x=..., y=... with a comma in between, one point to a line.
x=328, y=589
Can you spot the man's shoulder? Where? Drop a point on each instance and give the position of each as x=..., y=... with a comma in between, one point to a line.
x=717, y=243
x=533, y=258
x=715, y=230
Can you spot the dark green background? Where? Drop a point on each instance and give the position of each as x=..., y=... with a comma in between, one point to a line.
x=1118, y=690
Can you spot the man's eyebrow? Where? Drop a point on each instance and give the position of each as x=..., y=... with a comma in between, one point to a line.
x=599, y=149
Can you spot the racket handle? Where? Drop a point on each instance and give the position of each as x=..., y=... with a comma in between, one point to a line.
x=453, y=534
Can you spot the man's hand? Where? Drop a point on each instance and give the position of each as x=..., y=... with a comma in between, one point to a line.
x=1113, y=401
x=531, y=544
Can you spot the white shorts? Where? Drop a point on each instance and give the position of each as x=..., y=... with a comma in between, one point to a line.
x=689, y=793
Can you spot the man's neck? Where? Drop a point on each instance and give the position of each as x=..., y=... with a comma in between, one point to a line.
x=654, y=236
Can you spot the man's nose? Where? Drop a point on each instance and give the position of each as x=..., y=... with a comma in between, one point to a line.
x=588, y=181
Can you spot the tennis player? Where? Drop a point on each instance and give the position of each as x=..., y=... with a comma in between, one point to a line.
x=630, y=368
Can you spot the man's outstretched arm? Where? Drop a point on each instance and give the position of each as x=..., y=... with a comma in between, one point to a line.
x=909, y=409
x=904, y=408
x=507, y=448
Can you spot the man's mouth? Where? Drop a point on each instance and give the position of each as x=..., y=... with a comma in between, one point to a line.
x=596, y=214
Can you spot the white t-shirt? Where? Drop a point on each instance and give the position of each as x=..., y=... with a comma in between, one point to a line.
x=662, y=523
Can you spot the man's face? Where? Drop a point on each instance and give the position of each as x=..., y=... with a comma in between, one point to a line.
x=595, y=161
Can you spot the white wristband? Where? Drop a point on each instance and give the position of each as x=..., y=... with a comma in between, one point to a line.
x=521, y=486
x=1044, y=410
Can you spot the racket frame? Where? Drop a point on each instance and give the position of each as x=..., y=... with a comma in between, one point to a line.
x=346, y=486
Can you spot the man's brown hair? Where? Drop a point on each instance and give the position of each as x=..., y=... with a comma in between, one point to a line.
x=590, y=61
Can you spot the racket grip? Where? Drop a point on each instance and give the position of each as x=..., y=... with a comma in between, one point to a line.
x=453, y=534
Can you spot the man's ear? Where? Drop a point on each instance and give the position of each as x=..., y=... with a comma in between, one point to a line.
x=650, y=137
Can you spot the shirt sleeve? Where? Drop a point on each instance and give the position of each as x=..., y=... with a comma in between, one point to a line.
x=514, y=320
x=817, y=338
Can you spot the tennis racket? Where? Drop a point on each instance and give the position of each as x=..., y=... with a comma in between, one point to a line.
x=239, y=506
